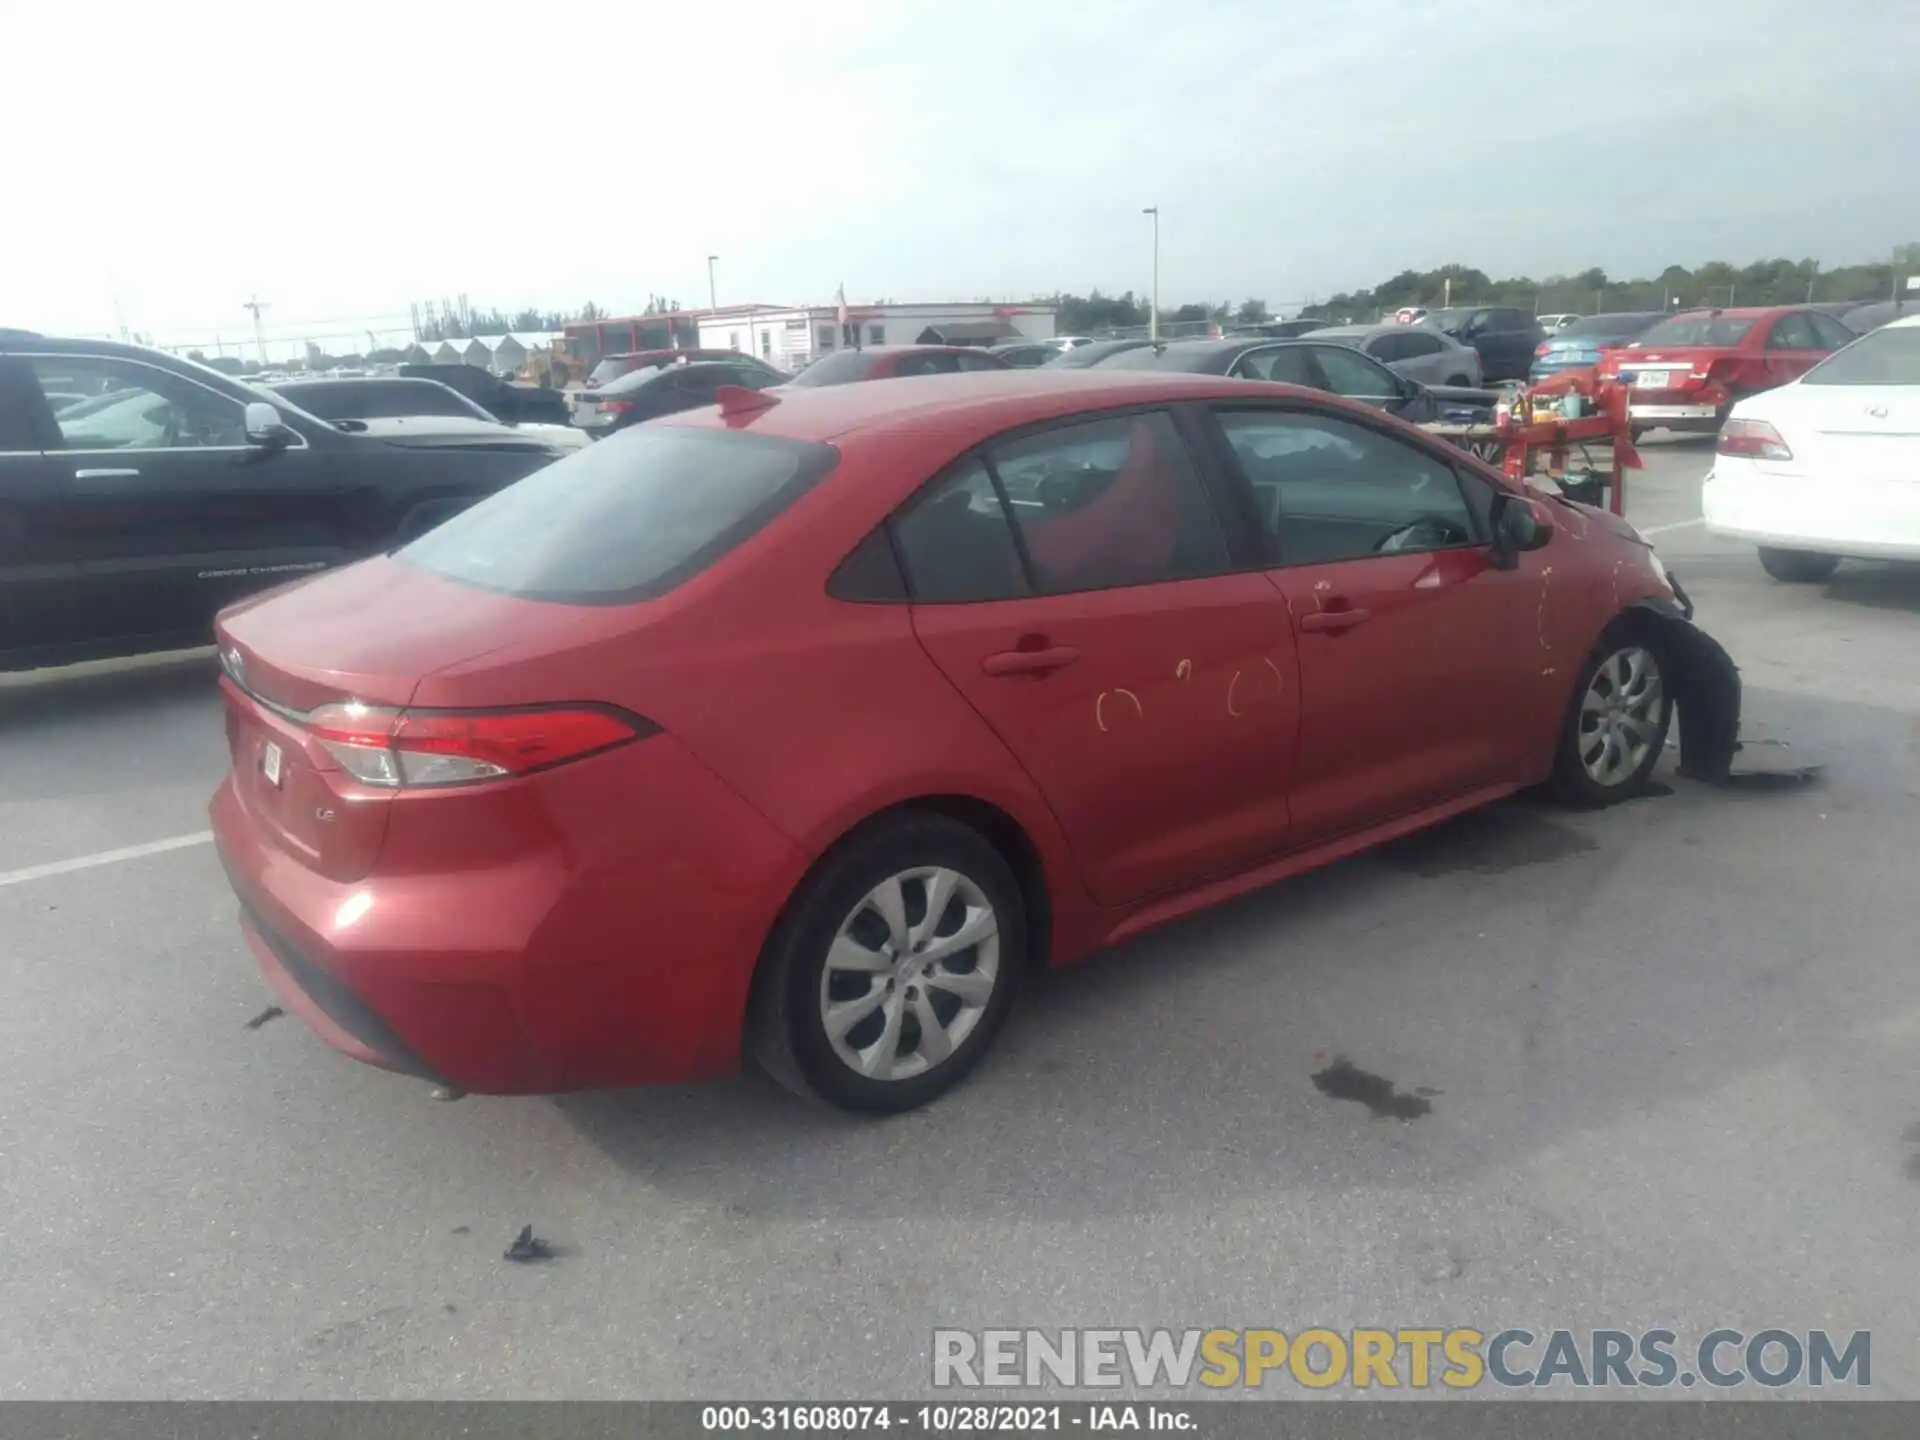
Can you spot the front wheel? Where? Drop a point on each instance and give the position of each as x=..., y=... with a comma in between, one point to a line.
x=1460, y=381
x=1617, y=726
x=1797, y=567
x=894, y=969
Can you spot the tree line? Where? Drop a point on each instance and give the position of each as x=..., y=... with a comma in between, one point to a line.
x=1591, y=291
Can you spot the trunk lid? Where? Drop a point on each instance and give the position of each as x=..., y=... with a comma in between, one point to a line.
x=368, y=633
x=1847, y=433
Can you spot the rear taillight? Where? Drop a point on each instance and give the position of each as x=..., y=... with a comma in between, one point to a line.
x=1542, y=348
x=402, y=749
x=1753, y=439
x=615, y=407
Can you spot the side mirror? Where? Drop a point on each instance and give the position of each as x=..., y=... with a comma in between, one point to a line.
x=266, y=428
x=1519, y=524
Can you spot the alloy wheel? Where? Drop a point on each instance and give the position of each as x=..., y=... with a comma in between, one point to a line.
x=910, y=973
x=1621, y=716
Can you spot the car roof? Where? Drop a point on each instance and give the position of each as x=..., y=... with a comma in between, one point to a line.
x=987, y=400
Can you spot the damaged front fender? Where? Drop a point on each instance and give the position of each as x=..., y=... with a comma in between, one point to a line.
x=1706, y=690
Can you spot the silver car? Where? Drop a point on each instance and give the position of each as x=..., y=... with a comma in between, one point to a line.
x=1415, y=351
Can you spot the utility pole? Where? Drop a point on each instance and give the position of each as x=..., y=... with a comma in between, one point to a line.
x=256, y=305
x=713, y=294
x=1153, y=316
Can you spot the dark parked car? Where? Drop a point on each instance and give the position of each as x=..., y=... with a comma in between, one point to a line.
x=1317, y=364
x=130, y=515
x=598, y=408
x=1085, y=357
x=1585, y=341
x=648, y=394
x=506, y=400
x=1505, y=337
x=1867, y=318
x=891, y=362
x=422, y=404
x=1028, y=355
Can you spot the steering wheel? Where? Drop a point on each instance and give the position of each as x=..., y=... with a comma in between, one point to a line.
x=1429, y=532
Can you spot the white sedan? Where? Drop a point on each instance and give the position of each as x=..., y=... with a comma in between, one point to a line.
x=1828, y=467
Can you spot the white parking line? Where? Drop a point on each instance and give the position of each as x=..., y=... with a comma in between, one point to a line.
x=104, y=857
x=1676, y=525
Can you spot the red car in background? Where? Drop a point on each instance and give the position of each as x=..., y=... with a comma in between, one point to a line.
x=806, y=724
x=1687, y=371
x=890, y=362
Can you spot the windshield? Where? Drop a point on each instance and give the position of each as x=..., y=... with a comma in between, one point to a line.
x=1886, y=357
x=1605, y=327
x=839, y=368
x=625, y=519
x=381, y=400
x=1701, y=329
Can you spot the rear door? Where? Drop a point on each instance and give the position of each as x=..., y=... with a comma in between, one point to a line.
x=1097, y=624
x=168, y=512
x=1792, y=347
x=1422, y=670
x=37, y=572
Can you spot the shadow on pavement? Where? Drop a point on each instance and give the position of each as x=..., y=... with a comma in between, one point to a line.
x=1540, y=973
x=1877, y=587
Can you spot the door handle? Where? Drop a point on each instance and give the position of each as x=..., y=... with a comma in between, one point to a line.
x=1335, y=619
x=1030, y=662
x=105, y=474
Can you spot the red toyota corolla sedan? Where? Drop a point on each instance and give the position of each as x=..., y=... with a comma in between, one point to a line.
x=807, y=724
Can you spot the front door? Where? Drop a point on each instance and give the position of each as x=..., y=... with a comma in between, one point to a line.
x=168, y=511
x=1423, y=672
x=1073, y=585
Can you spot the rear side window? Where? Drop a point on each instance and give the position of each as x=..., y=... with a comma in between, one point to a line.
x=840, y=368
x=956, y=543
x=1696, y=330
x=1110, y=503
x=626, y=519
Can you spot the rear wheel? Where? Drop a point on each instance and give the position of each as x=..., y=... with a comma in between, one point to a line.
x=894, y=969
x=1618, y=723
x=1797, y=567
x=1459, y=380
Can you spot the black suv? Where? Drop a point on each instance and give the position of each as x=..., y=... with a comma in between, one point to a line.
x=1505, y=337
x=140, y=493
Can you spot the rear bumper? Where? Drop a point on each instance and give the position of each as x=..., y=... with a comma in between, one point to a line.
x=568, y=954
x=1825, y=514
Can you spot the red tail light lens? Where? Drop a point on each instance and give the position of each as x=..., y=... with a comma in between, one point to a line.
x=1753, y=439
x=403, y=749
x=615, y=407
x=1541, y=348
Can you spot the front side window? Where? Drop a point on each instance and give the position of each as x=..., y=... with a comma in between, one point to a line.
x=103, y=403
x=1286, y=364
x=1109, y=503
x=1831, y=333
x=1792, y=332
x=625, y=519
x=1329, y=490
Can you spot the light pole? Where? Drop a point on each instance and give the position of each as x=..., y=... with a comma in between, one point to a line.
x=1153, y=315
x=713, y=302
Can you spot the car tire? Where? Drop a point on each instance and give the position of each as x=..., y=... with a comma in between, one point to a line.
x=1616, y=723
x=1797, y=567
x=1460, y=382
x=886, y=1061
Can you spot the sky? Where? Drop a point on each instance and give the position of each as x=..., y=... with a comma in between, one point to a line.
x=342, y=161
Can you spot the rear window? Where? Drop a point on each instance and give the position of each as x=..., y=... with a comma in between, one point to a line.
x=842, y=367
x=613, y=369
x=625, y=519
x=1604, y=327
x=1886, y=357
x=1697, y=330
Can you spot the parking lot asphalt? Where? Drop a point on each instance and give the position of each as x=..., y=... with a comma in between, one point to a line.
x=1674, y=1049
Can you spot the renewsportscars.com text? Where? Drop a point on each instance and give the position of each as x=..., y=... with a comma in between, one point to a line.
x=1457, y=1359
